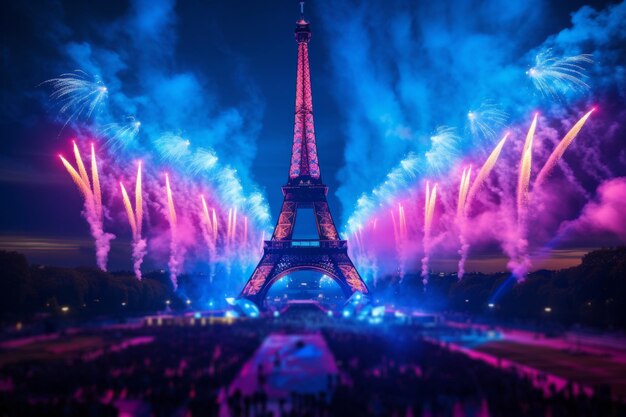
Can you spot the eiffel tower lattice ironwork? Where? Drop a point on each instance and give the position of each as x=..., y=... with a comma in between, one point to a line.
x=282, y=255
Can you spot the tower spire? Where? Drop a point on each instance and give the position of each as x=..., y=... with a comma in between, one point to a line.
x=304, y=161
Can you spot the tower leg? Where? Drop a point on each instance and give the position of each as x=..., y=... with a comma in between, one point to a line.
x=258, y=284
x=347, y=273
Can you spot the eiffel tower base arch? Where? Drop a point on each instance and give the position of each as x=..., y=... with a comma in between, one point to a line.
x=281, y=258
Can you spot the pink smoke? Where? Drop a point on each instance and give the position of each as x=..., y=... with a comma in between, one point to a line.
x=140, y=247
x=102, y=239
x=606, y=214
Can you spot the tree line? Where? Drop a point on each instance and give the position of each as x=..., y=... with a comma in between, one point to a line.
x=591, y=294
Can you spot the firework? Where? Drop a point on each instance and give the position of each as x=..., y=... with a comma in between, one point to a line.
x=81, y=167
x=119, y=136
x=554, y=76
x=463, y=189
x=396, y=235
x=460, y=216
x=443, y=150
x=77, y=93
x=486, y=121
x=229, y=229
x=429, y=209
x=215, y=225
x=467, y=196
x=359, y=235
x=208, y=229
x=429, y=206
x=172, y=148
x=262, y=241
x=560, y=149
x=171, y=210
x=84, y=189
x=484, y=172
x=202, y=160
x=129, y=211
x=175, y=261
x=207, y=218
x=234, y=231
x=402, y=220
x=135, y=218
x=524, y=170
x=97, y=192
x=138, y=199
x=93, y=203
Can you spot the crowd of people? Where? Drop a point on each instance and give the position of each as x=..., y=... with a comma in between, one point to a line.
x=183, y=368
x=397, y=373
x=185, y=371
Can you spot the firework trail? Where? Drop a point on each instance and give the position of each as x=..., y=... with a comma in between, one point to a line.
x=93, y=204
x=77, y=179
x=402, y=217
x=209, y=232
x=174, y=263
x=138, y=199
x=81, y=167
x=524, y=171
x=77, y=93
x=396, y=234
x=486, y=121
x=140, y=246
x=429, y=209
x=403, y=239
x=463, y=190
x=262, y=241
x=484, y=172
x=460, y=218
x=215, y=225
x=229, y=229
x=359, y=236
x=171, y=210
x=209, y=229
x=519, y=261
x=555, y=76
x=467, y=196
x=234, y=231
x=245, y=230
x=135, y=218
x=129, y=211
x=97, y=192
x=560, y=150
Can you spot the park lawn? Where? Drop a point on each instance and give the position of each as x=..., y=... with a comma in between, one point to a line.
x=50, y=349
x=585, y=368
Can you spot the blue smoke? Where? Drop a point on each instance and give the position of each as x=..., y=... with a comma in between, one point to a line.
x=184, y=122
x=402, y=69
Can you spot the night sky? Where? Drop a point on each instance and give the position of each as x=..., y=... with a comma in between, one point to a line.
x=385, y=76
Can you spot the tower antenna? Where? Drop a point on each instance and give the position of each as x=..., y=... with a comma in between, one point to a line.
x=302, y=10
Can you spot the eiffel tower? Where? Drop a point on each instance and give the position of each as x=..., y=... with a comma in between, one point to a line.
x=304, y=189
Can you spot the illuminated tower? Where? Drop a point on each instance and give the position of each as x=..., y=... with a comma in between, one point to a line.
x=327, y=254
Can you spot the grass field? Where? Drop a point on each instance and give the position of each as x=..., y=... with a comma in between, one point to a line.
x=585, y=368
x=51, y=349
